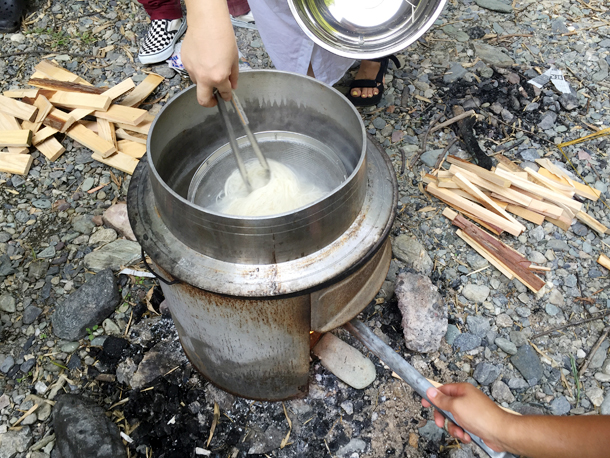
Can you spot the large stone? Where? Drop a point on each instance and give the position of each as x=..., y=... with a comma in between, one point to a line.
x=86, y=307
x=495, y=5
x=475, y=293
x=412, y=253
x=424, y=313
x=159, y=360
x=7, y=303
x=466, y=342
x=485, y=373
x=13, y=443
x=431, y=156
x=103, y=236
x=83, y=429
x=492, y=55
x=478, y=325
x=114, y=255
x=116, y=218
x=30, y=314
x=527, y=362
x=345, y=361
x=501, y=392
x=506, y=346
x=560, y=406
x=83, y=224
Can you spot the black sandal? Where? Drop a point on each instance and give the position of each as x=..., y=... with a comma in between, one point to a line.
x=377, y=82
x=10, y=15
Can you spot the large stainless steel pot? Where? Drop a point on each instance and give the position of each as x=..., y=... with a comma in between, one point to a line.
x=245, y=325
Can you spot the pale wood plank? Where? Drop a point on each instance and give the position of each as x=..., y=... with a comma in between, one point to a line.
x=15, y=138
x=553, y=185
x=106, y=131
x=122, y=114
x=581, y=189
x=526, y=214
x=59, y=120
x=477, y=210
x=15, y=163
x=120, y=89
x=134, y=137
x=44, y=108
x=502, y=181
x=51, y=148
x=48, y=69
x=604, y=261
x=54, y=85
x=587, y=219
x=43, y=134
x=142, y=90
x=79, y=113
x=89, y=139
x=132, y=149
x=21, y=93
x=119, y=161
x=76, y=100
x=142, y=128
x=17, y=109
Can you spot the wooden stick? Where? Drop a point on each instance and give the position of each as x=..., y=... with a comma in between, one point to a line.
x=15, y=138
x=51, y=148
x=457, y=118
x=76, y=100
x=17, y=109
x=604, y=261
x=8, y=122
x=591, y=222
x=59, y=120
x=120, y=161
x=479, y=249
x=475, y=209
x=569, y=325
x=89, y=139
x=510, y=165
x=132, y=149
x=122, y=114
x=552, y=185
x=16, y=163
x=79, y=113
x=503, y=182
x=67, y=86
x=142, y=90
x=44, y=108
x=21, y=93
x=49, y=70
x=581, y=190
x=490, y=227
x=120, y=89
x=595, y=347
x=142, y=128
x=107, y=132
x=541, y=268
x=134, y=137
x=29, y=412
x=526, y=214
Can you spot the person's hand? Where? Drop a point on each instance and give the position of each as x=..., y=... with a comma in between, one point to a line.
x=209, y=52
x=472, y=410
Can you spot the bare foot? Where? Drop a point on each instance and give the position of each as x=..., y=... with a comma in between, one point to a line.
x=368, y=71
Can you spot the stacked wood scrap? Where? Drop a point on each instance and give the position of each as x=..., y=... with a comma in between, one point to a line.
x=496, y=198
x=105, y=120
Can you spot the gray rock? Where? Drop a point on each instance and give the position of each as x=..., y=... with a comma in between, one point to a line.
x=87, y=184
x=556, y=298
x=6, y=267
x=431, y=432
x=82, y=429
x=158, y=361
x=517, y=383
x=569, y=101
x=560, y=406
x=527, y=362
x=478, y=325
x=265, y=442
x=353, y=446
x=30, y=314
x=559, y=26
x=602, y=74
x=116, y=218
x=42, y=204
x=457, y=34
x=464, y=451
x=7, y=364
x=485, y=373
x=604, y=408
x=597, y=360
x=103, y=236
x=410, y=251
x=431, y=156
x=114, y=255
x=495, y=5
x=551, y=309
x=379, y=122
x=475, y=293
x=518, y=338
x=506, y=345
x=86, y=307
x=7, y=303
x=492, y=55
x=501, y=392
x=548, y=120
x=455, y=72
x=38, y=269
x=125, y=371
x=452, y=333
x=47, y=253
x=83, y=224
x=466, y=342
x=424, y=313
x=15, y=442
x=530, y=155
x=476, y=261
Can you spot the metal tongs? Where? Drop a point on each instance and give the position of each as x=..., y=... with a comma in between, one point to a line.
x=222, y=108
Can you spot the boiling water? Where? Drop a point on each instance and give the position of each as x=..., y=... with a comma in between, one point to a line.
x=284, y=192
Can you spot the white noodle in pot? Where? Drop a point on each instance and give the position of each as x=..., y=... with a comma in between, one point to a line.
x=284, y=192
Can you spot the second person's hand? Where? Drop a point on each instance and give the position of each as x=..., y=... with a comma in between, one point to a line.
x=209, y=52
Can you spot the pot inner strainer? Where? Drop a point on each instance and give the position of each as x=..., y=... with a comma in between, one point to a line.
x=311, y=161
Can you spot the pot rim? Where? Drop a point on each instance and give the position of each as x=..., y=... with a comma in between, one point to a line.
x=229, y=218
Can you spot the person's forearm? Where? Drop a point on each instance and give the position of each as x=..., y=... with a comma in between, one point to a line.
x=558, y=437
x=208, y=14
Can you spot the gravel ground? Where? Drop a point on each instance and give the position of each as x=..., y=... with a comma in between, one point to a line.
x=479, y=54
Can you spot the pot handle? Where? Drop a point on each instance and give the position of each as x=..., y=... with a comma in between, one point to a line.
x=157, y=276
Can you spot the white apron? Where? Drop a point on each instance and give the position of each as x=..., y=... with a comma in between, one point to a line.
x=289, y=48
